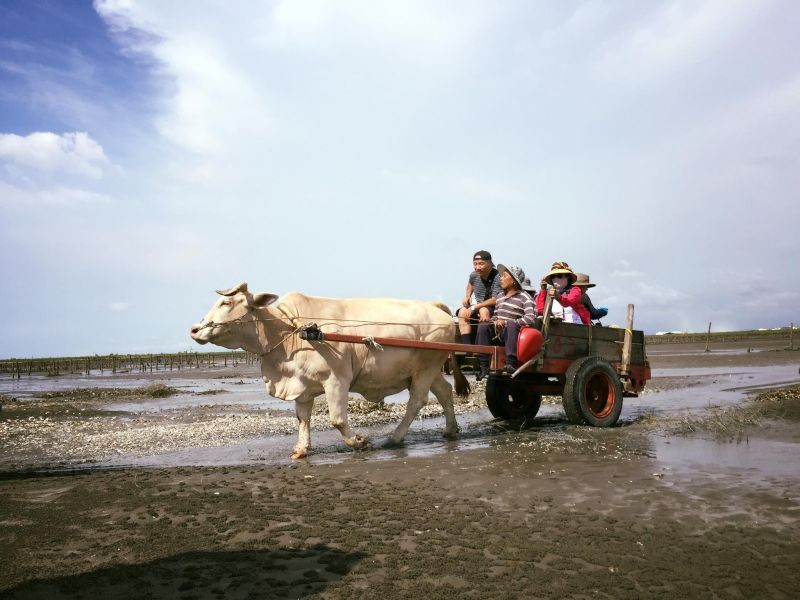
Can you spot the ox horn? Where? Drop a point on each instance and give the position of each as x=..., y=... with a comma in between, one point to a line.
x=242, y=287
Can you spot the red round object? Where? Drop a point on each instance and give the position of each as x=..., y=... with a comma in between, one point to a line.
x=528, y=344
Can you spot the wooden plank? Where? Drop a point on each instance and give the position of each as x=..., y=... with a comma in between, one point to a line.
x=569, y=340
x=408, y=343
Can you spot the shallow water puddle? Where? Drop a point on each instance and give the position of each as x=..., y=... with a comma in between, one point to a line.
x=755, y=460
x=710, y=387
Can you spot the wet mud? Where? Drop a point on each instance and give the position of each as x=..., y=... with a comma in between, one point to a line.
x=696, y=493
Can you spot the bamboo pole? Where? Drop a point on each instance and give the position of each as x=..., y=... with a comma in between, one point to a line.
x=708, y=336
x=791, y=336
x=625, y=367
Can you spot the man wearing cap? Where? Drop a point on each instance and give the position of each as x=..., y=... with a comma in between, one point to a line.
x=584, y=283
x=484, y=284
x=513, y=310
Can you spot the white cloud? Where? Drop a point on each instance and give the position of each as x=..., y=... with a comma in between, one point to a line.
x=70, y=153
x=256, y=137
x=487, y=191
x=583, y=23
x=762, y=124
x=623, y=268
x=656, y=295
x=17, y=197
x=212, y=103
x=234, y=79
x=679, y=34
x=413, y=24
x=215, y=105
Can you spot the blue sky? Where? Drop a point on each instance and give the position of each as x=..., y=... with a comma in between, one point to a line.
x=152, y=152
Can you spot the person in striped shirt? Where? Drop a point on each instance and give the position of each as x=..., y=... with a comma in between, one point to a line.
x=513, y=310
x=483, y=290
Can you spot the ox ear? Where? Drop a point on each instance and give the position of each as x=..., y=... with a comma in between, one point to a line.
x=242, y=287
x=263, y=300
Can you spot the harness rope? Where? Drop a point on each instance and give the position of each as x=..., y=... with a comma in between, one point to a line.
x=369, y=341
x=291, y=319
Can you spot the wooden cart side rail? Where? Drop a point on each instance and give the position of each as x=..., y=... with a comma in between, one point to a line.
x=416, y=344
x=635, y=380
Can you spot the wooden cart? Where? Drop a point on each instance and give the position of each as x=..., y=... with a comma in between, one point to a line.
x=591, y=367
x=585, y=365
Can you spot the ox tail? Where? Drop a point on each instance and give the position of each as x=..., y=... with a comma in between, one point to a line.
x=462, y=385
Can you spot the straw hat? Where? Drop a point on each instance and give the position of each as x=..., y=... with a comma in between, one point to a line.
x=583, y=280
x=561, y=268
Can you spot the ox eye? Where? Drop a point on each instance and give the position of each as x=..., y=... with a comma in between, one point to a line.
x=226, y=302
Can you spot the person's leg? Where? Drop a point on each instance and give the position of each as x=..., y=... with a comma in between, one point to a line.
x=483, y=338
x=465, y=324
x=484, y=314
x=511, y=337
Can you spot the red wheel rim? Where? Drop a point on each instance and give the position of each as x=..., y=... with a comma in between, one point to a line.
x=600, y=395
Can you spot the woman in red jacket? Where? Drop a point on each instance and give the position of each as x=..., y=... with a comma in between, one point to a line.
x=567, y=303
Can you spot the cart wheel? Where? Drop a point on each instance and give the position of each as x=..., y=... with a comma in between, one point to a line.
x=509, y=399
x=592, y=393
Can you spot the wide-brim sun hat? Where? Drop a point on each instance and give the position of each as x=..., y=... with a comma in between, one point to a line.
x=526, y=285
x=516, y=273
x=561, y=268
x=582, y=280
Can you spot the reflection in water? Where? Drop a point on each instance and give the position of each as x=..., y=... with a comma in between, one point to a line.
x=550, y=431
x=754, y=460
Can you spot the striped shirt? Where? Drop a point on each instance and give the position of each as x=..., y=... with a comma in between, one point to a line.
x=479, y=286
x=518, y=307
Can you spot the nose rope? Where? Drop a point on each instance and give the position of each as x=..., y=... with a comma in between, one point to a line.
x=283, y=339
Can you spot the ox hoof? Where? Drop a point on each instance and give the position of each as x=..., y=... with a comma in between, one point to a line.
x=358, y=442
x=299, y=453
x=451, y=435
x=393, y=443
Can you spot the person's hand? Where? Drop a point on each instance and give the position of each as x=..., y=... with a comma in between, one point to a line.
x=602, y=310
x=551, y=292
x=499, y=324
x=465, y=302
x=484, y=316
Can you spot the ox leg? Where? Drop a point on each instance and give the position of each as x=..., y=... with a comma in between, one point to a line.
x=302, y=408
x=418, y=397
x=444, y=394
x=337, y=395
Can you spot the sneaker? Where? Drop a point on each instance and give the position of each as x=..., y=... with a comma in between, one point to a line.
x=509, y=369
x=482, y=373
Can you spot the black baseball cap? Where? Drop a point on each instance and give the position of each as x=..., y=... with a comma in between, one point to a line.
x=482, y=255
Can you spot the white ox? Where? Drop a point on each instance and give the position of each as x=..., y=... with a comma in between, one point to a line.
x=300, y=370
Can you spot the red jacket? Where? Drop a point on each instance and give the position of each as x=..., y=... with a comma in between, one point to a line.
x=572, y=298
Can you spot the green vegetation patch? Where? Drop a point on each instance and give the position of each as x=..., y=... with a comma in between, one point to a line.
x=731, y=423
x=778, y=404
x=156, y=390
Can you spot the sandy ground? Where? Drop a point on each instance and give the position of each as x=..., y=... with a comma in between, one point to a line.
x=702, y=504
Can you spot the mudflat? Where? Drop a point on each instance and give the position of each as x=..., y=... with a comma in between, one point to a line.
x=695, y=494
